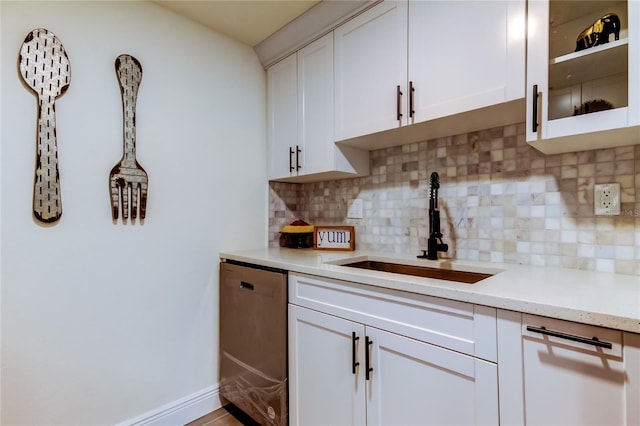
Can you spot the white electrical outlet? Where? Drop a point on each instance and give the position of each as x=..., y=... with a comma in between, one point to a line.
x=606, y=199
x=355, y=209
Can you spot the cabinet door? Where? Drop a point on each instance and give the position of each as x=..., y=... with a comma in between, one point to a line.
x=282, y=96
x=579, y=93
x=414, y=383
x=568, y=382
x=370, y=63
x=465, y=55
x=323, y=389
x=315, y=106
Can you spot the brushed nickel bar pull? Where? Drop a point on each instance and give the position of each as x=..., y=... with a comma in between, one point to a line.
x=535, y=108
x=398, y=103
x=354, y=361
x=593, y=341
x=411, y=93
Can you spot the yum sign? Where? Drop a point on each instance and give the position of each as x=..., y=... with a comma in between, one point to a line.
x=334, y=238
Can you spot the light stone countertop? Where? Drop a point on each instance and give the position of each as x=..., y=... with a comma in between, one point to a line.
x=596, y=298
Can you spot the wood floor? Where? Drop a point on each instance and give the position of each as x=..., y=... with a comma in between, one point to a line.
x=228, y=415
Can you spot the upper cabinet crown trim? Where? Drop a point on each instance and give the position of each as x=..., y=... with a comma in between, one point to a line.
x=313, y=24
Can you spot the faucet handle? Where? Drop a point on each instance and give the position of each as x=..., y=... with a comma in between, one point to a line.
x=435, y=180
x=423, y=255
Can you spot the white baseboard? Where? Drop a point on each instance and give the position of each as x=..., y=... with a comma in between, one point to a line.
x=181, y=411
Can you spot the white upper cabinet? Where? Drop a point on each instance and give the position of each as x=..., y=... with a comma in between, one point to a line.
x=403, y=63
x=464, y=55
x=282, y=97
x=315, y=106
x=371, y=70
x=300, y=111
x=582, y=96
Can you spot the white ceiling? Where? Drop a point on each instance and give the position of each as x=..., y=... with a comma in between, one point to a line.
x=249, y=21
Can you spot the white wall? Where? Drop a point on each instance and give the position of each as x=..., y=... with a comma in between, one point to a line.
x=102, y=322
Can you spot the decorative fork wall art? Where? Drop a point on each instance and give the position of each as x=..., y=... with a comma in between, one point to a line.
x=45, y=69
x=128, y=182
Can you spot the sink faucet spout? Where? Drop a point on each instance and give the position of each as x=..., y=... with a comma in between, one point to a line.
x=434, y=243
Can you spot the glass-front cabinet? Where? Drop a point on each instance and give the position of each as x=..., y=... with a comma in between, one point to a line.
x=583, y=74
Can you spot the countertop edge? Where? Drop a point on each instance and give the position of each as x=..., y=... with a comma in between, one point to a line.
x=507, y=290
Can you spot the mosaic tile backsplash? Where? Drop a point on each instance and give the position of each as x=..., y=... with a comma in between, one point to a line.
x=500, y=201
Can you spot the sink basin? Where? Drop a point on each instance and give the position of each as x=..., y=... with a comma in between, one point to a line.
x=466, y=277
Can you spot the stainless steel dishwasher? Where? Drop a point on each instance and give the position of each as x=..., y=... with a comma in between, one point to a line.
x=253, y=341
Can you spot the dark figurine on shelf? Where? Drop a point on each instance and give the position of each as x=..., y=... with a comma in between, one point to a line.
x=599, y=32
x=592, y=106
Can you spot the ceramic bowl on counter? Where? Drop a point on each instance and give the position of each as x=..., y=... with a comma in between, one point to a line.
x=296, y=239
x=298, y=234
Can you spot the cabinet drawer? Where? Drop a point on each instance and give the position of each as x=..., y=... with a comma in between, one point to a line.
x=460, y=326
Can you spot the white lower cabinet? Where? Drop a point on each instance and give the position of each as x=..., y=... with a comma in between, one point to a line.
x=565, y=373
x=413, y=382
x=344, y=371
x=363, y=355
x=323, y=390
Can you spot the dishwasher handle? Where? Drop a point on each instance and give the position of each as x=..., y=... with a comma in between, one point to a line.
x=246, y=285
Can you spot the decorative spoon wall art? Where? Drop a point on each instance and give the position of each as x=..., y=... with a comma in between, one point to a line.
x=44, y=67
x=128, y=182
